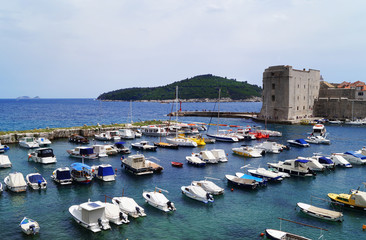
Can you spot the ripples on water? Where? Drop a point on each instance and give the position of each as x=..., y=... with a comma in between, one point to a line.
x=240, y=214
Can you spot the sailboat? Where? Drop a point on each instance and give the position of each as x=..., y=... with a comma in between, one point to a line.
x=220, y=135
x=184, y=142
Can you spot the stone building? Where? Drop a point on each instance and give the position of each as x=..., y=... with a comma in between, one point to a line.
x=289, y=94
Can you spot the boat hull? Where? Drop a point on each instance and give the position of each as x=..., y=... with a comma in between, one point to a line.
x=322, y=213
x=280, y=235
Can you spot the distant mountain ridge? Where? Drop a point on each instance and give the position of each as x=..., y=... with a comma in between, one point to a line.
x=198, y=87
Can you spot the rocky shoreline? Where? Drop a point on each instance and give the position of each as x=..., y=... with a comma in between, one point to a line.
x=252, y=99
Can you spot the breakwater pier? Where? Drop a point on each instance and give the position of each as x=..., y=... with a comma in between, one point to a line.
x=248, y=115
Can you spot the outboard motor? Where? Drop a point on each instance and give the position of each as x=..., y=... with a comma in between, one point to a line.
x=100, y=222
x=121, y=216
x=138, y=211
x=32, y=228
x=118, y=202
x=39, y=184
x=170, y=206
x=208, y=196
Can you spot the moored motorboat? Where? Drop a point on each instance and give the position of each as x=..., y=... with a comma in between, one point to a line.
x=158, y=200
x=28, y=142
x=129, y=206
x=299, y=142
x=81, y=173
x=242, y=182
x=62, y=176
x=260, y=181
x=206, y=156
x=114, y=214
x=78, y=139
x=136, y=164
x=90, y=215
x=126, y=133
x=196, y=161
x=295, y=167
x=42, y=141
x=82, y=152
x=317, y=140
x=321, y=213
x=281, y=235
x=166, y=145
x=248, y=151
x=266, y=174
x=15, y=182
x=220, y=155
x=355, y=199
x=144, y=145
x=5, y=161
x=197, y=193
x=182, y=142
x=209, y=186
x=43, y=155
x=177, y=164
x=3, y=148
x=29, y=226
x=269, y=147
x=339, y=160
x=36, y=181
x=121, y=148
x=354, y=157
x=104, y=172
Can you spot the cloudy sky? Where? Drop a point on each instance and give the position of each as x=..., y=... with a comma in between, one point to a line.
x=82, y=48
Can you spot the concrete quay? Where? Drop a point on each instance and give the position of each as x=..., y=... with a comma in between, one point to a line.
x=249, y=115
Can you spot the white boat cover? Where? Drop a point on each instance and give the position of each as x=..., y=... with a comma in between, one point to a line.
x=4, y=160
x=321, y=211
x=16, y=180
x=360, y=197
x=111, y=211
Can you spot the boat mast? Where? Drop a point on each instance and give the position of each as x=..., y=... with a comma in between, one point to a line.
x=176, y=108
x=218, y=111
x=131, y=111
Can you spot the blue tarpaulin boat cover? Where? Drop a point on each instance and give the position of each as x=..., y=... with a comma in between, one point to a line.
x=36, y=178
x=80, y=166
x=325, y=160
x=119, y=143
x=302, y=160
x=86, y=151
x=62, y=175
x=246, y=176
x=105, y=171
x=355, y=154
x=302, y=141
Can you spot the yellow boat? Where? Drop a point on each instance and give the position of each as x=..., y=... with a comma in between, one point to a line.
x=356, y=199
x=197, y=139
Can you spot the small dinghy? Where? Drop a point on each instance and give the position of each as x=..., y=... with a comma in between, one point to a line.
x=197, y=193
x=15, y=182
x=5, y=161
x=158, y=200
x=241, y=182
x=36, y=181
x=115, y=215
x=196, y=161
x=209, y=186
x=29, y=226
x=90, y=215
x=281, y=235
x=177, y=164
x=320, y=212
x=62, y=176
x=129, y=206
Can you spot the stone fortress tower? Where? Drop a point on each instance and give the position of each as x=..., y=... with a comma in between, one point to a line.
x=289, y=94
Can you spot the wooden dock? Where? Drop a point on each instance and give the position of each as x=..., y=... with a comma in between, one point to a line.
x=249, y=115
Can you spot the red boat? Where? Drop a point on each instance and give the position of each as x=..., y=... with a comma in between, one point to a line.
x=177, y=164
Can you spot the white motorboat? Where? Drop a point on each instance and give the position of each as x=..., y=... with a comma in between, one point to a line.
x=209, y=186
x=158, y=200
x=295, y=167
x=81, y=173
x=104, y=172
x=121, y=148
x=114, y=134
x=354, y=157
x=339, y=160
x=313, y=164
x=28, y=142
x=242, y=182
x=182, y=142
x=317, y=140
x=1, y=188
x=3, y=148
x=42, y=155
x=220, y=155
x=126, y=133
x=82, y=152
x=269, y=147
x=270, y=133
x=320, y=212
x=129, y=206
x=90, y=215
x=144, y=145
x=5, y=161
x=197, y=193
x=136, y=164
x=100, y=150
x=335, y=122
x=319, y=130
x=62, y=176
x=326, y=162
x=114, y=214
x=266, y=174
x=36, y=181
x=29, y=226
x=111, y=150
x=281, y=235
x=299, y=142
x=103, y=137
x=194, y=160
x=154, y=131
x=248, y=151
x=15, y=182
x=207, y=156
x=42, y=141
x=223, y=137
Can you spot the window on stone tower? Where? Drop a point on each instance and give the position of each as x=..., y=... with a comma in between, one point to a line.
x=273, y=86
x=273, y=98
x=297, y=108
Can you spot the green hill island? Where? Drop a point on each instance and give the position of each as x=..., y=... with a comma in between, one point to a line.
x=203, y=88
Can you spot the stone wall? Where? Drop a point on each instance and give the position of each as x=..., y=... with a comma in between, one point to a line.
x=339, y=108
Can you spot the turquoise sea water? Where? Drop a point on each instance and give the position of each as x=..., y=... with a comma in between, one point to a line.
x=238, y=214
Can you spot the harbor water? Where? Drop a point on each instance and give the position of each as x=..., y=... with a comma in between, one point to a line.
x=238, y=214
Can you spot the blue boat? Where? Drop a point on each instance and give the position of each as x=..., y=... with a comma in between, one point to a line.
x=62, y=176
x=260, y=181
x=299, y=142
x=104, y=172
x=81, y=173
x=3, y=148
